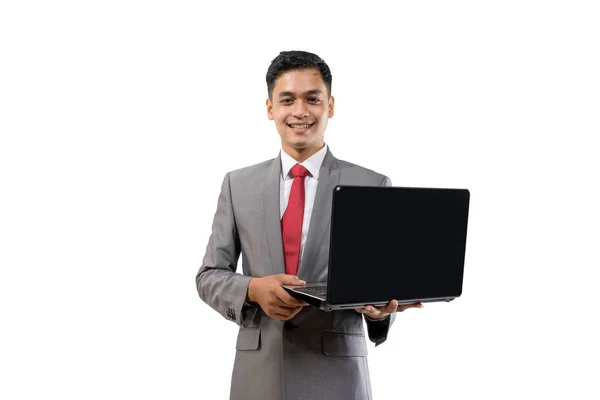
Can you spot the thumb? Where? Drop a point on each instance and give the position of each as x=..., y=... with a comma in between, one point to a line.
x=291, y=280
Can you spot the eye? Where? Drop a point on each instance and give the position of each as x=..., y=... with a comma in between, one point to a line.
x=313, y=100
x=286, y=101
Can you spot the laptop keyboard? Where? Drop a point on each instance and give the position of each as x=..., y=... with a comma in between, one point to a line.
x=318, y=291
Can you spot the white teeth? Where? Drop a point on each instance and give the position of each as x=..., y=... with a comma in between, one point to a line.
x=300, y=126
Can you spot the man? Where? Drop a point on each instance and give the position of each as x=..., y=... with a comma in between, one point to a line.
x=277, y=214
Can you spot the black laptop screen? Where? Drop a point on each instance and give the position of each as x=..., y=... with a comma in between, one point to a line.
x=396, y=243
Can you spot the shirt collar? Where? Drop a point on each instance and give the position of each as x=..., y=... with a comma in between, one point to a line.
x=312, y=163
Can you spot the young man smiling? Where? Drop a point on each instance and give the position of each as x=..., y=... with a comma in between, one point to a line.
x=300, y=104
x=276, y=215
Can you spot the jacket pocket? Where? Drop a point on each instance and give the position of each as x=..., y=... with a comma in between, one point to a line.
x=248, y=339
x=344, y=344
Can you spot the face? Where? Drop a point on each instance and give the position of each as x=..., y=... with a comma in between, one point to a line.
x=300, y=108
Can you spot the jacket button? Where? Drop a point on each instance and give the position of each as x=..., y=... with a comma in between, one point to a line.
x=231, y=314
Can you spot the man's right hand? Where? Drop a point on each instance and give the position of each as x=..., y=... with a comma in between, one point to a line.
x=273, y=299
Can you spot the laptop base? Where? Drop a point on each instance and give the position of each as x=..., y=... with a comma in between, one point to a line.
x=321, y=302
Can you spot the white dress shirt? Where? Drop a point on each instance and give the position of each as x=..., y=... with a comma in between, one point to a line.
x=313, y=165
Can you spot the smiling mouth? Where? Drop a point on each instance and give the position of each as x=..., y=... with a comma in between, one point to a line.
x=300, y=126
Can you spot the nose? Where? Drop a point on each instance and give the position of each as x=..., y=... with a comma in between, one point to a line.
x=300, y=110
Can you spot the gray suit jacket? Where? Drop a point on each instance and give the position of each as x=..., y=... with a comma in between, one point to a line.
x=315, y=355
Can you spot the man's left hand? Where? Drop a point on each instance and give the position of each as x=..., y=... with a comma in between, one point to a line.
x=383, y=312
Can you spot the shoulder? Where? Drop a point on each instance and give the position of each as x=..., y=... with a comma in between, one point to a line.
x=251, y=178
x=243, y=181
x=256, y=171
x=360, y=174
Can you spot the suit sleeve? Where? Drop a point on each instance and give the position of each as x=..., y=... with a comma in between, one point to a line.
x=378, y=330
x=217, y=282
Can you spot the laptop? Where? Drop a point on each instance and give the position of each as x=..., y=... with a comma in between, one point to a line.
x=402, y=243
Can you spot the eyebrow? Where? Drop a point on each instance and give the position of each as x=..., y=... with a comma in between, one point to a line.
x=307, y=93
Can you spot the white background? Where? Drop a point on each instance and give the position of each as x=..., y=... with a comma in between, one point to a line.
x=119, y=119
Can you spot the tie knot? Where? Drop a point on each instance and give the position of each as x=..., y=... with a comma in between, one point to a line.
x=299, y=171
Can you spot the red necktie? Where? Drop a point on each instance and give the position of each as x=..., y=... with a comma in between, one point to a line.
x=291, y=222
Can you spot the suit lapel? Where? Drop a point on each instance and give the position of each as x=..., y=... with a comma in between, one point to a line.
x=272, y=218
x=329, y=176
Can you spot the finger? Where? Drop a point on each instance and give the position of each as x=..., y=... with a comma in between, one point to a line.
x=286, y=306
x=403, y=307
x=286, y=299
x=391, y=307
x=289, y=301
x=362, y=310
x=284, y=311
x=291, y=280
x=279, y=316
x=373, y=312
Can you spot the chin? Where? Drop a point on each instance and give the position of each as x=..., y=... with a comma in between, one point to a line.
x=299, y=144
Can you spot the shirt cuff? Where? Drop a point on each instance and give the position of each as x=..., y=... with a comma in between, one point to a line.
x=376, y=320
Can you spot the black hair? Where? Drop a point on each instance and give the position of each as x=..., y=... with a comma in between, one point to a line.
x=293, y=60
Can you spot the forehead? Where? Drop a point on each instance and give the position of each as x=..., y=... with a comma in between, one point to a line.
x=299, y=81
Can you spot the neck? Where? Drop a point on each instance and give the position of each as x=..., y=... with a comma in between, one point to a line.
x=304, y=154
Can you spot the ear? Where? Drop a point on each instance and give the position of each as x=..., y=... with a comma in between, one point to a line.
x=269, y=109
x=331, y=106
